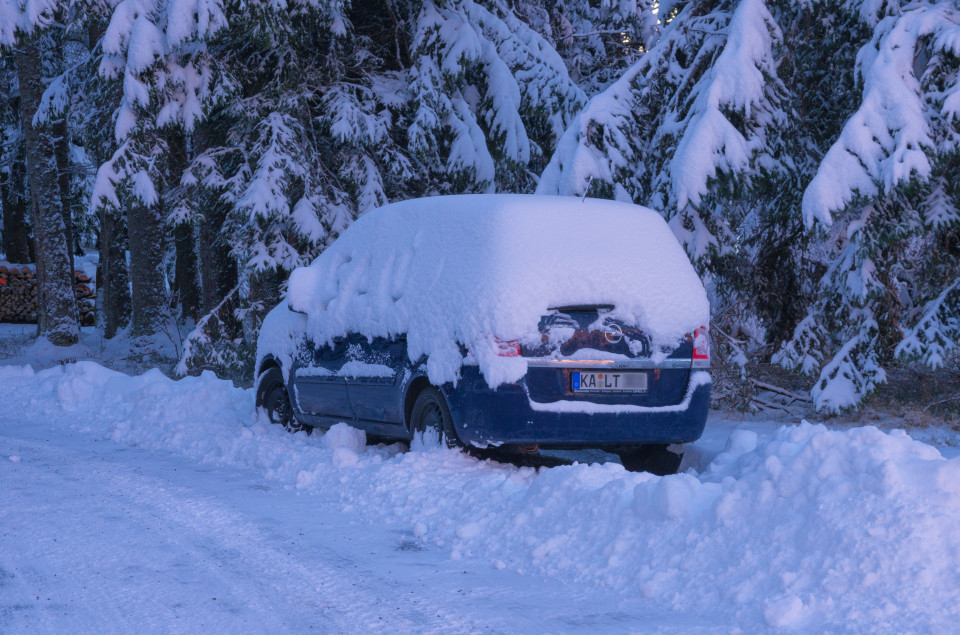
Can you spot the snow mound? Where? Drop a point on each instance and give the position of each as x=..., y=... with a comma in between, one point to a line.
x=469, y=268
x=343, y=436
x=805, y=528
x=347, y=444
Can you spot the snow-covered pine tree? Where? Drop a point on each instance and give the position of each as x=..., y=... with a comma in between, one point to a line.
x=490, y=96
x=91, y=102
x=159, y=51
x=349, y=108
x=887, y=164
x=932, y=320
x=262, y=187
x=38, y=54
x=696, y=116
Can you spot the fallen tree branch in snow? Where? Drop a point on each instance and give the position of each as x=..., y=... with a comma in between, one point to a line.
x=943, y=401
x=780, y=391
x=768, y=404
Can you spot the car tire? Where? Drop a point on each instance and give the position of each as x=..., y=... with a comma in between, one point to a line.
x=655, y=459
x=430, y=415
x=273, y=397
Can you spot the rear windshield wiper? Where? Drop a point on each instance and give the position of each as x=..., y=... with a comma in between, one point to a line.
x=582, y=308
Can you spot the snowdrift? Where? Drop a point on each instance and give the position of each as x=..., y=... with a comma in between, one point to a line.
x=805, y=528
x=468, y=268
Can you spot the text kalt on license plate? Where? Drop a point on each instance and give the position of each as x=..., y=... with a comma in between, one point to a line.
x=609, y=381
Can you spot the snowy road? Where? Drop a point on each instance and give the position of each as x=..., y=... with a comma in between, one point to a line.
x=100, y=536
x=143, y=504
x=140, y=542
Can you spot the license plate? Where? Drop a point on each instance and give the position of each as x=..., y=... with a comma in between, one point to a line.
x=609, y=381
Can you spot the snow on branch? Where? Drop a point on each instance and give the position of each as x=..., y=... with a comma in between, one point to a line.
x=446, y=43
x=482, y=80
x=597, y=143
x=279, y=214
x=888, y=140
x=351, y=119
x=265, y=195
x=22, y=17
x=737, y=81
x=872, y=11
x=469, y=149
x=109, y=177
x=55, y=100
x=704, y=100
x=804, y=351
x=851, y=375
x=158, y=48
x=538, y=72
x=937, y=332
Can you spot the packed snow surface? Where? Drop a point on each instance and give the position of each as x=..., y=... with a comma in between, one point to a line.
x=800, y=527
x=470, y=268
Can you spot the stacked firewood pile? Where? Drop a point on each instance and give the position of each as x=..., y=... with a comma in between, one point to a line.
x=86, y=298
x=18, y=295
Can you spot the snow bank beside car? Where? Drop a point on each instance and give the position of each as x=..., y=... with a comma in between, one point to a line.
x=469, y=268
x=804, y=528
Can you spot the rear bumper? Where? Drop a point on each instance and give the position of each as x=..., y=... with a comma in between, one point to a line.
x=508, y=415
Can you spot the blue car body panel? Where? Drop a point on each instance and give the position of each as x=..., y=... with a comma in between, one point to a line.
x=317, y=388
x=509, y=415
x=376, y=397
x=670, y=411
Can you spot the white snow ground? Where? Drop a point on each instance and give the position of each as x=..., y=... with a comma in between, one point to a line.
x=146, y=504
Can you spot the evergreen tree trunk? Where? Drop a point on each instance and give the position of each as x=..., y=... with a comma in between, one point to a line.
x=62, y=152
x=57, y=304
x=113, y=282
x=218, y=269
x=186, y=285
x=145, y=227
x=16, y=234
x=185, y=271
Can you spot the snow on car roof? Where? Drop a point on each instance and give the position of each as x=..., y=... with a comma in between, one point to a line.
x=466, y=268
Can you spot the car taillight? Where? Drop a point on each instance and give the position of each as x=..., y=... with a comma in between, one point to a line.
x=701, y=343
x=507, y=348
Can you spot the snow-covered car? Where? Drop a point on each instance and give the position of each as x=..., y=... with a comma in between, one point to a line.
x=497, y=320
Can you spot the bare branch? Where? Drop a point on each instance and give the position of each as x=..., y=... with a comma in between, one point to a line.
x=780, y=391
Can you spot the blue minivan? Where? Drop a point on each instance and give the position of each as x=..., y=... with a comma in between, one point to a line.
x=490, y=338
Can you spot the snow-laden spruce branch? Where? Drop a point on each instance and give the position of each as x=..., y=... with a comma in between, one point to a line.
x=199, y=337
x=167, y=38
x=663, y=132
x=737, y=81
x=157, y=50
x=889, y=161
x=888, y=139
x=937, y=333
x=23, y=17
x=521, y=74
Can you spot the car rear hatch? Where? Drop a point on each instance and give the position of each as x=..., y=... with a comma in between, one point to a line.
x=585, y=354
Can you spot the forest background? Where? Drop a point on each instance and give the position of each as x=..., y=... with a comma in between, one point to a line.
x=805, y=153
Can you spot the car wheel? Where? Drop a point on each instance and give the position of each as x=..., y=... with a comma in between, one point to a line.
x=272, y=396
x=431, y=417
x=656, y=459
